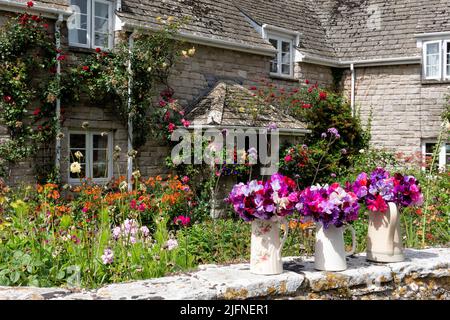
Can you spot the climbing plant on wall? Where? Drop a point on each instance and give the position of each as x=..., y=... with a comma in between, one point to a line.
x=27, y=102
x=129, y=78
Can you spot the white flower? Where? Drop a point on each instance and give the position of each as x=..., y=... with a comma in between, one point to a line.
x=79, y=155
x=136, y=174
x=361, y=151
x=123, y=185
x=75, y=167
x=171, y=244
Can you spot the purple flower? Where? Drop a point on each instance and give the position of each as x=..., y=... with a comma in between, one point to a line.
x=108, y=256
x=272, y=126
x=334, y=132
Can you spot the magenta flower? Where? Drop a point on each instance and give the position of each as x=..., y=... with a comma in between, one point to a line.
x=183, y=220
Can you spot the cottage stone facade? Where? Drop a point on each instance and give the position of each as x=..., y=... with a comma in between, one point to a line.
x=381, y=40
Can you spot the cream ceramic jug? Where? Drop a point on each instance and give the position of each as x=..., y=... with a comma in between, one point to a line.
x=384, y=238
x=330, y=252
x=266, y=246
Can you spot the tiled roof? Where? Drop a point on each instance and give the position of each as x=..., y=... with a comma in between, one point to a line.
x=376, y=29
x=296, y=15
x=214, y=19
x=228, y=103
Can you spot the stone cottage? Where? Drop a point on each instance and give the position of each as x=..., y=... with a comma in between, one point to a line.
x=391, y=58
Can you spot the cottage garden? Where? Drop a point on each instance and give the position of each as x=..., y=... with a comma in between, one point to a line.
x=87, y=235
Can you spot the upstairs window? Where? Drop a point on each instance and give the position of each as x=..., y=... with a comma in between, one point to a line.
x=91, y=24
x=282, y=63
x=436, y=59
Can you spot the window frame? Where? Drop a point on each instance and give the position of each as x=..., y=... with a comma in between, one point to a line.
x=445, y=56
x=89, y=156
x=425, y=46
x=90, y=32
x=280, y=39
x=442, y=159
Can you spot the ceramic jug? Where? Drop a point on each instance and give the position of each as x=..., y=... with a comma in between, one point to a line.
x=330, y=254
x=384, y=238
x=266, y=246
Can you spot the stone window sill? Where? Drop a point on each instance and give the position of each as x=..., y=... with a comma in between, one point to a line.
x=280, y=77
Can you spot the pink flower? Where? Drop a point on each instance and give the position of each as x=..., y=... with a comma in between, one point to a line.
x=185, y=123
x=171, y=127
x=133, y=204
x=84, y=210
x=379, y=204
x=162, y=103
x=141, y=207
x=288, y=158
x=185, y=179
x=183, y=220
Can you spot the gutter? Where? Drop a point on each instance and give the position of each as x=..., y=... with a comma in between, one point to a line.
x=47, y=12
x=352, y=93
x=289, y=131
x=212, y=42
x=360, y=63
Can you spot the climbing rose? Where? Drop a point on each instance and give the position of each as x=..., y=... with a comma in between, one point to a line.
x=30, y=4
x=98, y=50
x=185, y=123
x=322, y=95
x=85, y=68
x=288, y=158
x=171, y=127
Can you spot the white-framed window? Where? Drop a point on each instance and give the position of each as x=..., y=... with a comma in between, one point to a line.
x=447, y=59
x=91, y=24
x=443, y=158
x=436, y=59
x=283, y=63
x=97, y=151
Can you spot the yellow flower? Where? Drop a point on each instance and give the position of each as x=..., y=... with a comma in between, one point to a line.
x=75, y=167
x=79, y=155
x=241, y=109
x=158, y=19
x=170, y=19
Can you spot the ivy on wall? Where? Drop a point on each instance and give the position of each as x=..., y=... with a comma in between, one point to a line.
x=27, y=102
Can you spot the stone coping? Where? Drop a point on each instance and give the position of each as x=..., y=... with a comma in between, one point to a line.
x=424, y=274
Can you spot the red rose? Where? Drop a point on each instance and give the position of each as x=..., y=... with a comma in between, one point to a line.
x=253, y=88
x=98, y=50
x=322, y=95
x=7, y=99
x=307, y=81
x=185, y=123
x=37, y=111
x=85, y=68
x=45, y=25
x=162, y=103
x=306, y=106
x=61, y=58
x=30, y=4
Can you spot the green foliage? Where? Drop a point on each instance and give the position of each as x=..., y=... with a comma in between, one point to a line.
x=128, y=77
x=26, y=48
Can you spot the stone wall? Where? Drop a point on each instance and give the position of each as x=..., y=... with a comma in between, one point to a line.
x=405, y=110
x=425, y=274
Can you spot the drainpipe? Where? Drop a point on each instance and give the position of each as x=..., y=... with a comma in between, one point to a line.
x=352, y=94
x=130, y=114
x=58, y=99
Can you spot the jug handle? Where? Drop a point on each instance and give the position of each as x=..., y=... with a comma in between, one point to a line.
x=393, y=225
x=283, y=240
x=353, y=240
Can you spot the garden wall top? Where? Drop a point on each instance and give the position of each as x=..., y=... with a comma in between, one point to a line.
x=424, y=274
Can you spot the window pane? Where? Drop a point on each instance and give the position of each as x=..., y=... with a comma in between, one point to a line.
x=100, y=142
x=447, y=155
x=286, y=69
x=101, y=40
x=429, y=148
x=100, y=155
x=274, y=62
x=78, y=21
x=285, y=46
x=77, y=141
x=101, y=10
x=99, y=170
x=448, y=59
x=74, y=158
x=81, y=4
x=432, y=60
